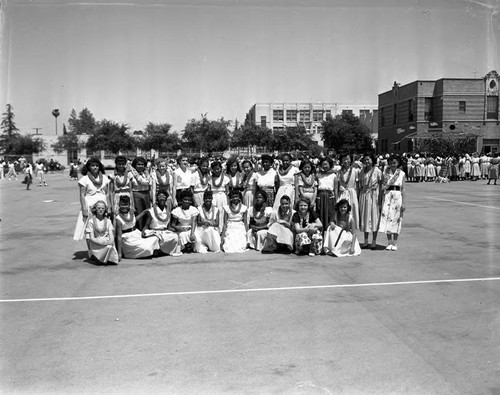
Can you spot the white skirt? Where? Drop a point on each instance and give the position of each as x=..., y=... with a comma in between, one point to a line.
x=235, y=239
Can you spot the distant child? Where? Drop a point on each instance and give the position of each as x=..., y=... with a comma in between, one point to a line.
x=340, y=237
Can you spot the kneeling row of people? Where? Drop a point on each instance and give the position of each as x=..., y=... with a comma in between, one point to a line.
x=187, y=228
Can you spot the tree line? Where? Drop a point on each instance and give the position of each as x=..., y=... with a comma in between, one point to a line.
x=343, y=133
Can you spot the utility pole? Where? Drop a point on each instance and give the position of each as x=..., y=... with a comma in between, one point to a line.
x=37, y=129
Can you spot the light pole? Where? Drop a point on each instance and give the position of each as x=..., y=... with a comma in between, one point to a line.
x=55, y=113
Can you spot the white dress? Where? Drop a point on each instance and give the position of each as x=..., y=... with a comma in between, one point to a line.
x=219, y=194
x=391, y=218
x=256, y=239
x=185, y=219
x=235, y=238
x=168, y=240
x=339, y=241
x=102, y=230
x=93, y=193
x=278, y=233
x=347, y=190
x=133, y=244
x=287, y=186
x=207, y=238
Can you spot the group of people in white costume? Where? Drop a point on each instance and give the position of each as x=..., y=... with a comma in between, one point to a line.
x=142, y=211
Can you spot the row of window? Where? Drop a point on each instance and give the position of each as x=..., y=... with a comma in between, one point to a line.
x=303, y=115
x=491, y=110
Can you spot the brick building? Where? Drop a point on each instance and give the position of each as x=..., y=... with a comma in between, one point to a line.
x=448, y=107
x=277, y=116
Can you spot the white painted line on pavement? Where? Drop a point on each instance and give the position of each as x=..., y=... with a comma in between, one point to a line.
x=227, y=291
x=469, y=204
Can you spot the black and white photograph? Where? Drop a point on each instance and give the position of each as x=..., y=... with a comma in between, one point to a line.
x=249, y=197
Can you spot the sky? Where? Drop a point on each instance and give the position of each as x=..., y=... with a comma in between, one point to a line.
x=169, y=61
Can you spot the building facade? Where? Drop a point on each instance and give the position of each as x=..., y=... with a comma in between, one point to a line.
x=278, y=116
x=447, y=108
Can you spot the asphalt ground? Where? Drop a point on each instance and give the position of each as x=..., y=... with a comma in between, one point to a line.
x=422, y=320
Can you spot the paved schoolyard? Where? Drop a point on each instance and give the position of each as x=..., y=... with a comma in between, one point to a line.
x=422, y=320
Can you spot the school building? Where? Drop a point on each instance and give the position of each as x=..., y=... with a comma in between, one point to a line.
x=278, y=116
x=445, y=108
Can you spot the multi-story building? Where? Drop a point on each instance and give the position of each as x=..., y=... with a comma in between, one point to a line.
x=448, y=108
x=277, y=116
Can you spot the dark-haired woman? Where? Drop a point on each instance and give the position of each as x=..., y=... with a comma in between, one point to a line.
x=393, y=204
x=248, y=183
x=122, y=184
x=157, y=224
x=307, y=227
x=267, y=179
x=207, y=236
x=349, y=186
x=184, y=221
x=94, y=186
x=161, y=179
x=340, y=236
x=141, y=188
x=370, y=180
x=286, y=180
x=129, y=241
x=259, y=215
x=306, y=185
x=233, y=173
x=201, y=181
x=279, y=234
x=234, y=230
x=220, y=189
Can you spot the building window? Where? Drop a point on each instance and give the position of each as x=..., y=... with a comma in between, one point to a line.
x=278, y=115
x=492, y=107
x=278, y=129
x=382, y=116
x=291, y=115
x=317, y=115
x=305, y=115
x=395, y=114
x=328, y=113
x=346, y=112
x=411, y=116
x=428, y=109
x=263, y=121
x=462, y=107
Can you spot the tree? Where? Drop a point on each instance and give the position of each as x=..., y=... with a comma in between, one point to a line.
x=252, y=135
x=27, y=145
x=293, y=138
x=347, y=134
x=10, y=132
x=84, y=123
x=68, y=142
x=205, y=135
x=110, y=136
x=157, y=137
